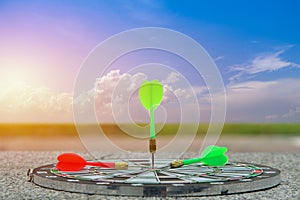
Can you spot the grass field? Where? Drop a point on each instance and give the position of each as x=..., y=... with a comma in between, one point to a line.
x=48, y=130
x=64, y=137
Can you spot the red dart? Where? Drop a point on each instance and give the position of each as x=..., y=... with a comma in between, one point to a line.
x=74, y=162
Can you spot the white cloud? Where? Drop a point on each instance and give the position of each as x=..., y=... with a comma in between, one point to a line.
x=22, y=102
x=116, y=97
x=266, y=62
x=252, y=101
x=183, y=93
x=258, y=101
x=113, y=93
x=173, y=77
x=219, y=58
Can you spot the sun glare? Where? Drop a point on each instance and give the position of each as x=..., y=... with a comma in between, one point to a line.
x=13, y=75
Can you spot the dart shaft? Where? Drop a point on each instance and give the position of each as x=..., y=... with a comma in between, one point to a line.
x=113, y=165
x=152, y=126
x=192, y=161
x=152, y=142
x=179, y=163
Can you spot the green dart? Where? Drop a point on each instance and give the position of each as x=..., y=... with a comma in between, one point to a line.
x=151, y=94
x=211, y=155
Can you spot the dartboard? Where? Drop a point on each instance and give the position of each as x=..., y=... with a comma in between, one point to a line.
x=140, y=179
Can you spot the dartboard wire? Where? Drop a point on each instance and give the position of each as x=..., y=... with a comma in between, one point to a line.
x=243, y=173
x=195, y=178
x=208, y=175
x=184, y=175
x=126, y=176
x=187, y=172
x=233, y=174
x=181, y=174
x=198, y=174
x=135, y=163
x=214, y=174
x=108, y=173
x=181, y=179
x=136, y=173
x=156, y=176
x=146, y=167
x=140, y=175
x=191, y=171
x=132, y=173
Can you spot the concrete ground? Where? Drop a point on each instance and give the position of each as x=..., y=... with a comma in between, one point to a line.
x=14, y=184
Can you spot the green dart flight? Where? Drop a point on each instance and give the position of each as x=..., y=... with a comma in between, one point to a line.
x=211, y=155
x=151, y=94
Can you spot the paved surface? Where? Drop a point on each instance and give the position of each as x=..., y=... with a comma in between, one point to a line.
x=14, y=184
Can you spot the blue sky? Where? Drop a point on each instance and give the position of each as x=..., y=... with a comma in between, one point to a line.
x=255, y=44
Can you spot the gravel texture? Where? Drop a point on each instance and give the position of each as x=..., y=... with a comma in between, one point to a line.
x=14, y=181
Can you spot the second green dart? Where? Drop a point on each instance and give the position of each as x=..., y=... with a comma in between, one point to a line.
x=211, y=155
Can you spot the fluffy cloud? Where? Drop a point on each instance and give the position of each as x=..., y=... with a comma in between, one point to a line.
x=261, y=101
x=258, y=101
x=266, y=62
x=172, y=78
x=252, y=101
x=21, y=102
x=114, y=91
x=116, y=98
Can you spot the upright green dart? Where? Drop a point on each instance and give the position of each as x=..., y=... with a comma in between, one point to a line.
x=211, y=155
x=151, y=94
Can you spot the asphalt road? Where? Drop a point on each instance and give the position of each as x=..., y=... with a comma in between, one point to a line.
x=14, y=184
